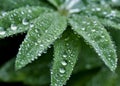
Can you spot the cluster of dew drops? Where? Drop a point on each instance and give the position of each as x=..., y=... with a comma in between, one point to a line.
x=13, y=27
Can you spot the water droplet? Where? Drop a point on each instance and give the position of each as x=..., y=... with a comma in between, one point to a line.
x=64, y=63
x=41, y=45
x=98, y=9
x=51, y=72
x=114, y=1
x=22, y=12
x=36, y=43
x=104, y=13
x=32, y=59
x=25, y=22
x=83, y=28
x=84, y=22
x=13, y=27
x=93, y=30
x=64, y=56
x=46, y=31
x=88, y=23
x=61, y=70
x=31, y=25
x=93, y=9
x=103, y=36
x=2, y=32
x=66, y=39
x=4, y=13
x=29, y=11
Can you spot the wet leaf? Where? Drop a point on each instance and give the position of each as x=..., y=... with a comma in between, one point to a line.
x=46, y=29
x=66, y=51
x=96, y=36
x=7, y=5
x=110, y=24
x=16, y=21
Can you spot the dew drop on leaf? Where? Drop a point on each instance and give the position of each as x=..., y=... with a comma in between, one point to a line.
x=31, y=25
x=64, y=63
x=4, y=13
x=62, y=70
x=98, y=9
x=83, y=28
x=93, y=30
x=2, y=32
x=114, y=1
x=64, y=55
x=25, y=22
x=13, y=27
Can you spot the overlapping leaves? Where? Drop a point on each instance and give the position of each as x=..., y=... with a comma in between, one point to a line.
x=44, y=27
x=95, y=34
x=66, y=52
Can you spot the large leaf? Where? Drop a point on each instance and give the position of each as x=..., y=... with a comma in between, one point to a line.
x=95, y=34
x=7, y=5
x=16, y=21
x=47, y=28
x=66, y=51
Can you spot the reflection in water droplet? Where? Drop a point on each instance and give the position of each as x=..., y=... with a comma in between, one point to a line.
x=61, y=70
x=2, y=32
x=64, y=56
x=83, y=28
x=13, y=27
x=4, y=13
x=31, y=25
x=25, y=22
x=64, y=63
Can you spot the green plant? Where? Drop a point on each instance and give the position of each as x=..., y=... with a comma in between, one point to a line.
x=63, y=24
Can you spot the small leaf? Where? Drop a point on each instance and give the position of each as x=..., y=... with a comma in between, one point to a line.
x=47, y=28
x=66, y=51
x=108, y=23
x=16, y=21
x=95, y=34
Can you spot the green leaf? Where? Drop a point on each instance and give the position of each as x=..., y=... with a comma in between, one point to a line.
x=103, y=12
x=66, y=51
x=16, y=21
x=88, y=59
x=56, y=3
x=109, y=24
x=95, y=34
x=7, y=5
x=47, y=28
